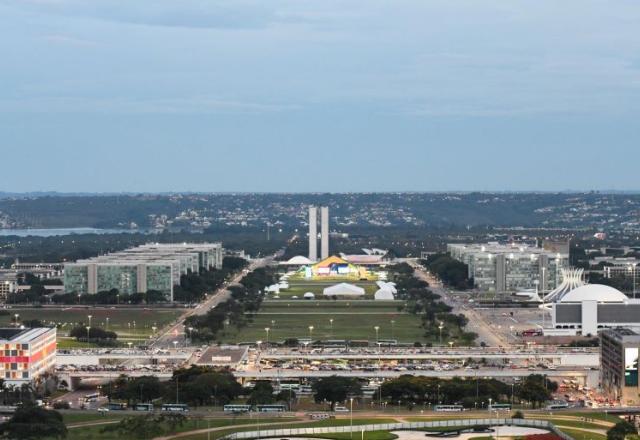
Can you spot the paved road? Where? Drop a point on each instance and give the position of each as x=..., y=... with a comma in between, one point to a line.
x=175, y=333
x=477, y=323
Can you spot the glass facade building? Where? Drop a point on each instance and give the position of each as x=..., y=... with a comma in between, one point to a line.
x=497, y=267
x=138, y=270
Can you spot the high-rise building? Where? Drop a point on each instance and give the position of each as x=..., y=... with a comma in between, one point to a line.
x=619, y=350
x=313, y=233
x=324, y=232
x=509, y=268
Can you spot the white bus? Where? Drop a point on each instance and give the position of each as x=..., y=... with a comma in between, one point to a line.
x=448, y=408
x=235, y=409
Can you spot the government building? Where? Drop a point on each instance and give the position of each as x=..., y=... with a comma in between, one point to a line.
x=510, y=268
x=140, y=269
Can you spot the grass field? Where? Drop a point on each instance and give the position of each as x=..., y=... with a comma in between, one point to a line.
x=583, y=435
x=298, y=287
x=351, y=320
x=120, y=321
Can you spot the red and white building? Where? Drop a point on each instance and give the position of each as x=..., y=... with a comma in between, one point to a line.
x=26, y=353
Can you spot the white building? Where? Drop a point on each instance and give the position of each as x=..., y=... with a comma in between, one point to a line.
x=592, y=308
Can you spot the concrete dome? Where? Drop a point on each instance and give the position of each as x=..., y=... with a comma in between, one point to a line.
x=299, y=259
x=594, y=292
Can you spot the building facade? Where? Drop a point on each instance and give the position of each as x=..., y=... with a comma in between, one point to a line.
x=138, y=270
x=508, y=268
x=619, y=365
x=26, y=354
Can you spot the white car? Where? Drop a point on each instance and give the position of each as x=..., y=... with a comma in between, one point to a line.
x=340, y=409
x=103, y=409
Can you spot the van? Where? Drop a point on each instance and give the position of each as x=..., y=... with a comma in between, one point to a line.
x=340, y=409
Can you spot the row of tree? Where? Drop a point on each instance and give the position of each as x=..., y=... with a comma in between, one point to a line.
x=452, y=272
x=437, y=320
x=470, y=393
x=236, y=311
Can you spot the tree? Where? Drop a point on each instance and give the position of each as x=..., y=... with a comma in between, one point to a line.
x=262, y=393
x=536, y=389
x=335, y=389
x=147, y=426
x=621, y=430
x=30, y=422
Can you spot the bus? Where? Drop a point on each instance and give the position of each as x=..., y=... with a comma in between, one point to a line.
x=115, y=406
x=143, y=407
x=558, y=404
x=271, y=408
x=448, y=408
x=175, y=407
x=499, y=407
x=91, y=397
x=236, y=409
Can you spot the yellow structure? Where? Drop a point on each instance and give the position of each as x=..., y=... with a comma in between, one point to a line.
x=335, y=267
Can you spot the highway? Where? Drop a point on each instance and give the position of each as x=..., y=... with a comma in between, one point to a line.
x=477, y=323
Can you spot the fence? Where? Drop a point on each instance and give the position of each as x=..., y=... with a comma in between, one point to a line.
x=461, y=423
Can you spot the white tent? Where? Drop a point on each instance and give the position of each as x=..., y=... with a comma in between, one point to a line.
x=309, y=295
x=343, y=289
x=390, y=286
x=384, y=295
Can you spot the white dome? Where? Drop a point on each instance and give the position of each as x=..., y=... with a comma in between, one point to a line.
x=594, y=292
x=299, y=259
x=309, y=295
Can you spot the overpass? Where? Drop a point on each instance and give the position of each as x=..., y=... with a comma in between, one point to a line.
x=590, y=358
x=144, y=357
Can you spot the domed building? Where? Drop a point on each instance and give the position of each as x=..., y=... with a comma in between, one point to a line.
x=591, y=308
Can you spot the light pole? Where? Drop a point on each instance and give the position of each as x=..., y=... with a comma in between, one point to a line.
x=331, y=327
x=440, y=327
x=311, y=333
x=377, y=329
x=107, y=322
x=175, y=344
x=266, y=329
x=89, y=316
x=129, y=344
x=17, y=315
x=351, y=416
x=450, y=344
x=88, y=336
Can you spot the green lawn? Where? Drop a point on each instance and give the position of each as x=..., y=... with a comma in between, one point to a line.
x=120, y=320
x=373, y=435
x=583, y=435
x=298, y=287
x=351, y=320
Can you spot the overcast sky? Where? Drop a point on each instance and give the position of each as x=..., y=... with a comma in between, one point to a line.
x=238, y=95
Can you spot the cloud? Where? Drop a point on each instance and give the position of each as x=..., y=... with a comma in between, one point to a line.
x=197, y=14
x=192, y=105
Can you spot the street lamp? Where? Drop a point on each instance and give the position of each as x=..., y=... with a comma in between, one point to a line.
x=351, y=422
x=450, y=344
x=89, y=316
x=17, y=315
x=266, y=329
x=88, y=336
x=311, y=333
x=175, y=344
x=440, y=327
x=331, y=327
x=107, y=322
x=377, y=329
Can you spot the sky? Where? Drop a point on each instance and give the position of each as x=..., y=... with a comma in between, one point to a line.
x=313, y=96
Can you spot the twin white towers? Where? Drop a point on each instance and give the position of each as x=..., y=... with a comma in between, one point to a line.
x=313, y=232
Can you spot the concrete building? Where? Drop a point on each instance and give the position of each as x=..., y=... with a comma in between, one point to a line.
x=26, y=354
x=619, y=365
x=592, y=308
x=324, y=232
x=510, y=268
x=313, y=233
x=138, y=270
